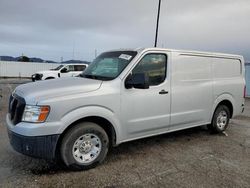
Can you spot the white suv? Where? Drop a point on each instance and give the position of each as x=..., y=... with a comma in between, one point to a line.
x=67, y=70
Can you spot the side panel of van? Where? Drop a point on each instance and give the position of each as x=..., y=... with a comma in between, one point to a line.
x=228, y=76
x=192, y=90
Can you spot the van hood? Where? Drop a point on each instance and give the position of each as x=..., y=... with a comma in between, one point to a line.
x=41, y=90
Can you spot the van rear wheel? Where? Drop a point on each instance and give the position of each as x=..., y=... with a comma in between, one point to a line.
x=220, y=119
x=84, y=146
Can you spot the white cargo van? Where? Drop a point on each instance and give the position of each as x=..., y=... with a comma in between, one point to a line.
x=125, y=95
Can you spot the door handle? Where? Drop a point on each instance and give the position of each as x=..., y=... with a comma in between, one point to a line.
x=162, y=92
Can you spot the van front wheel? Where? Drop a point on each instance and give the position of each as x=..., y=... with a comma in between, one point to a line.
x=220, y=119
x=84, y=146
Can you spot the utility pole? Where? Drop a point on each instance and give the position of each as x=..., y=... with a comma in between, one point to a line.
x=73, y=53
x=157, y=23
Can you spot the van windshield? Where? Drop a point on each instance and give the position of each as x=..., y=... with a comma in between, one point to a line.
x=108, y=65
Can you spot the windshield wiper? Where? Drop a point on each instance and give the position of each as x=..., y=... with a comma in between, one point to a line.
x=89, y=76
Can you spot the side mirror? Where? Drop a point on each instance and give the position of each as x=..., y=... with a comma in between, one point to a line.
x=64, y=70
x=138, y=80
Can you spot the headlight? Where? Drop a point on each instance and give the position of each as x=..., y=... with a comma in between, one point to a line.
x=35, y=114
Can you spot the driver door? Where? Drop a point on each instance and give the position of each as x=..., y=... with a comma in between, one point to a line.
x=147, y=111
x=67, y=71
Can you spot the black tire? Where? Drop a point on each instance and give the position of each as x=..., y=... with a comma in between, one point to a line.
x=73, y=135
x=215, y=127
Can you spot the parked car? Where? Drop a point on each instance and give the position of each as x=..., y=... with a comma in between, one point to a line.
x=68, y=70
x=123, y=96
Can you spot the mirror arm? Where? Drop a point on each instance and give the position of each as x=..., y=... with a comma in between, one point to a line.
x=128, y=82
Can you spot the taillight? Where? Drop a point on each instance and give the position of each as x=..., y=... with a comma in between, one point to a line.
x=245, y=92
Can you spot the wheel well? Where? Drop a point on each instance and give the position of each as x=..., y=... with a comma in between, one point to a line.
x=102, y=122
x=49, y=78
x=228, y=104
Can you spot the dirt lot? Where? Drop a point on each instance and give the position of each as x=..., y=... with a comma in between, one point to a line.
x=190, y=158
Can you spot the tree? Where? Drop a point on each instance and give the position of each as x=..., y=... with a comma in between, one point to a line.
x=24, y=59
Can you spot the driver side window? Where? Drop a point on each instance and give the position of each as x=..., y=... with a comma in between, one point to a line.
x=155, y=66
x=69, y=68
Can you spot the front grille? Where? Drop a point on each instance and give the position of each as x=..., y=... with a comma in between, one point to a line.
x=16, y=108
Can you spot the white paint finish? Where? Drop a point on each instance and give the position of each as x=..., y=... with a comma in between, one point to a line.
x=56, y=88
x=191, y=90
x=248, y=79
x=226, y=68
x=193, y=95
x=226, y=86
x=23, y=69
x=141, y=108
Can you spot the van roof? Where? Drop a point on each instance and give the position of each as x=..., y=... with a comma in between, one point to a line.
x=187, y=52
x=194, y=52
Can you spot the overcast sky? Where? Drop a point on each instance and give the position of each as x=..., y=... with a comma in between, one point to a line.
x=52, y=29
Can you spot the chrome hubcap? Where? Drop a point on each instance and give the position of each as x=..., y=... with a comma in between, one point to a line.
x=222, y=120
x=86, y=148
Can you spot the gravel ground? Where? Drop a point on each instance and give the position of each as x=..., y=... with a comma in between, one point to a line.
x=189, y=158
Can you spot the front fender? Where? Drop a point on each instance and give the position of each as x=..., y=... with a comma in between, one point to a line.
x=87, y=111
